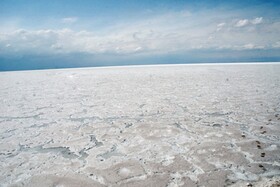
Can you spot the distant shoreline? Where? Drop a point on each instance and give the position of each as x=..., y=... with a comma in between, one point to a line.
x=149, y=65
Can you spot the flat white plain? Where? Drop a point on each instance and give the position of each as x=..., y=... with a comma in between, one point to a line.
x=175, y=125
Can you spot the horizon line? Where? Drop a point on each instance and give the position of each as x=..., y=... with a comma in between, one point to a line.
x=147, y=65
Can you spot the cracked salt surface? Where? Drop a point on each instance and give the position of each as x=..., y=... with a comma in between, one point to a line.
x=177, y=125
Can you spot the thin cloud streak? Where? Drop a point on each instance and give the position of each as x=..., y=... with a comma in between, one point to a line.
x=69, y=20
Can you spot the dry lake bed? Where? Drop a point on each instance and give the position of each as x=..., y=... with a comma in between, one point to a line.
x=175, y=125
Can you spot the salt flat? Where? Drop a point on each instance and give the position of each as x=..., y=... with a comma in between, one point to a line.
x=177, y=125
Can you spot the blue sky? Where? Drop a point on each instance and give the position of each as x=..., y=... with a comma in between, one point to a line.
x=36, y=34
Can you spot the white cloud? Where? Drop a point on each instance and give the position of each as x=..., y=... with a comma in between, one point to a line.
x=242, y=23
x=257, y=21
x=276, y=44
x=245, y=22
x=138, y=49
x=69, y=20
x=220, y=26
x=251, y=46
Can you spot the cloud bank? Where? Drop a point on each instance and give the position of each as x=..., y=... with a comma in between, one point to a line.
x=172, y=32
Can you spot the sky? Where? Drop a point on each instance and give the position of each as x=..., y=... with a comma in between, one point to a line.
x=42, y=34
